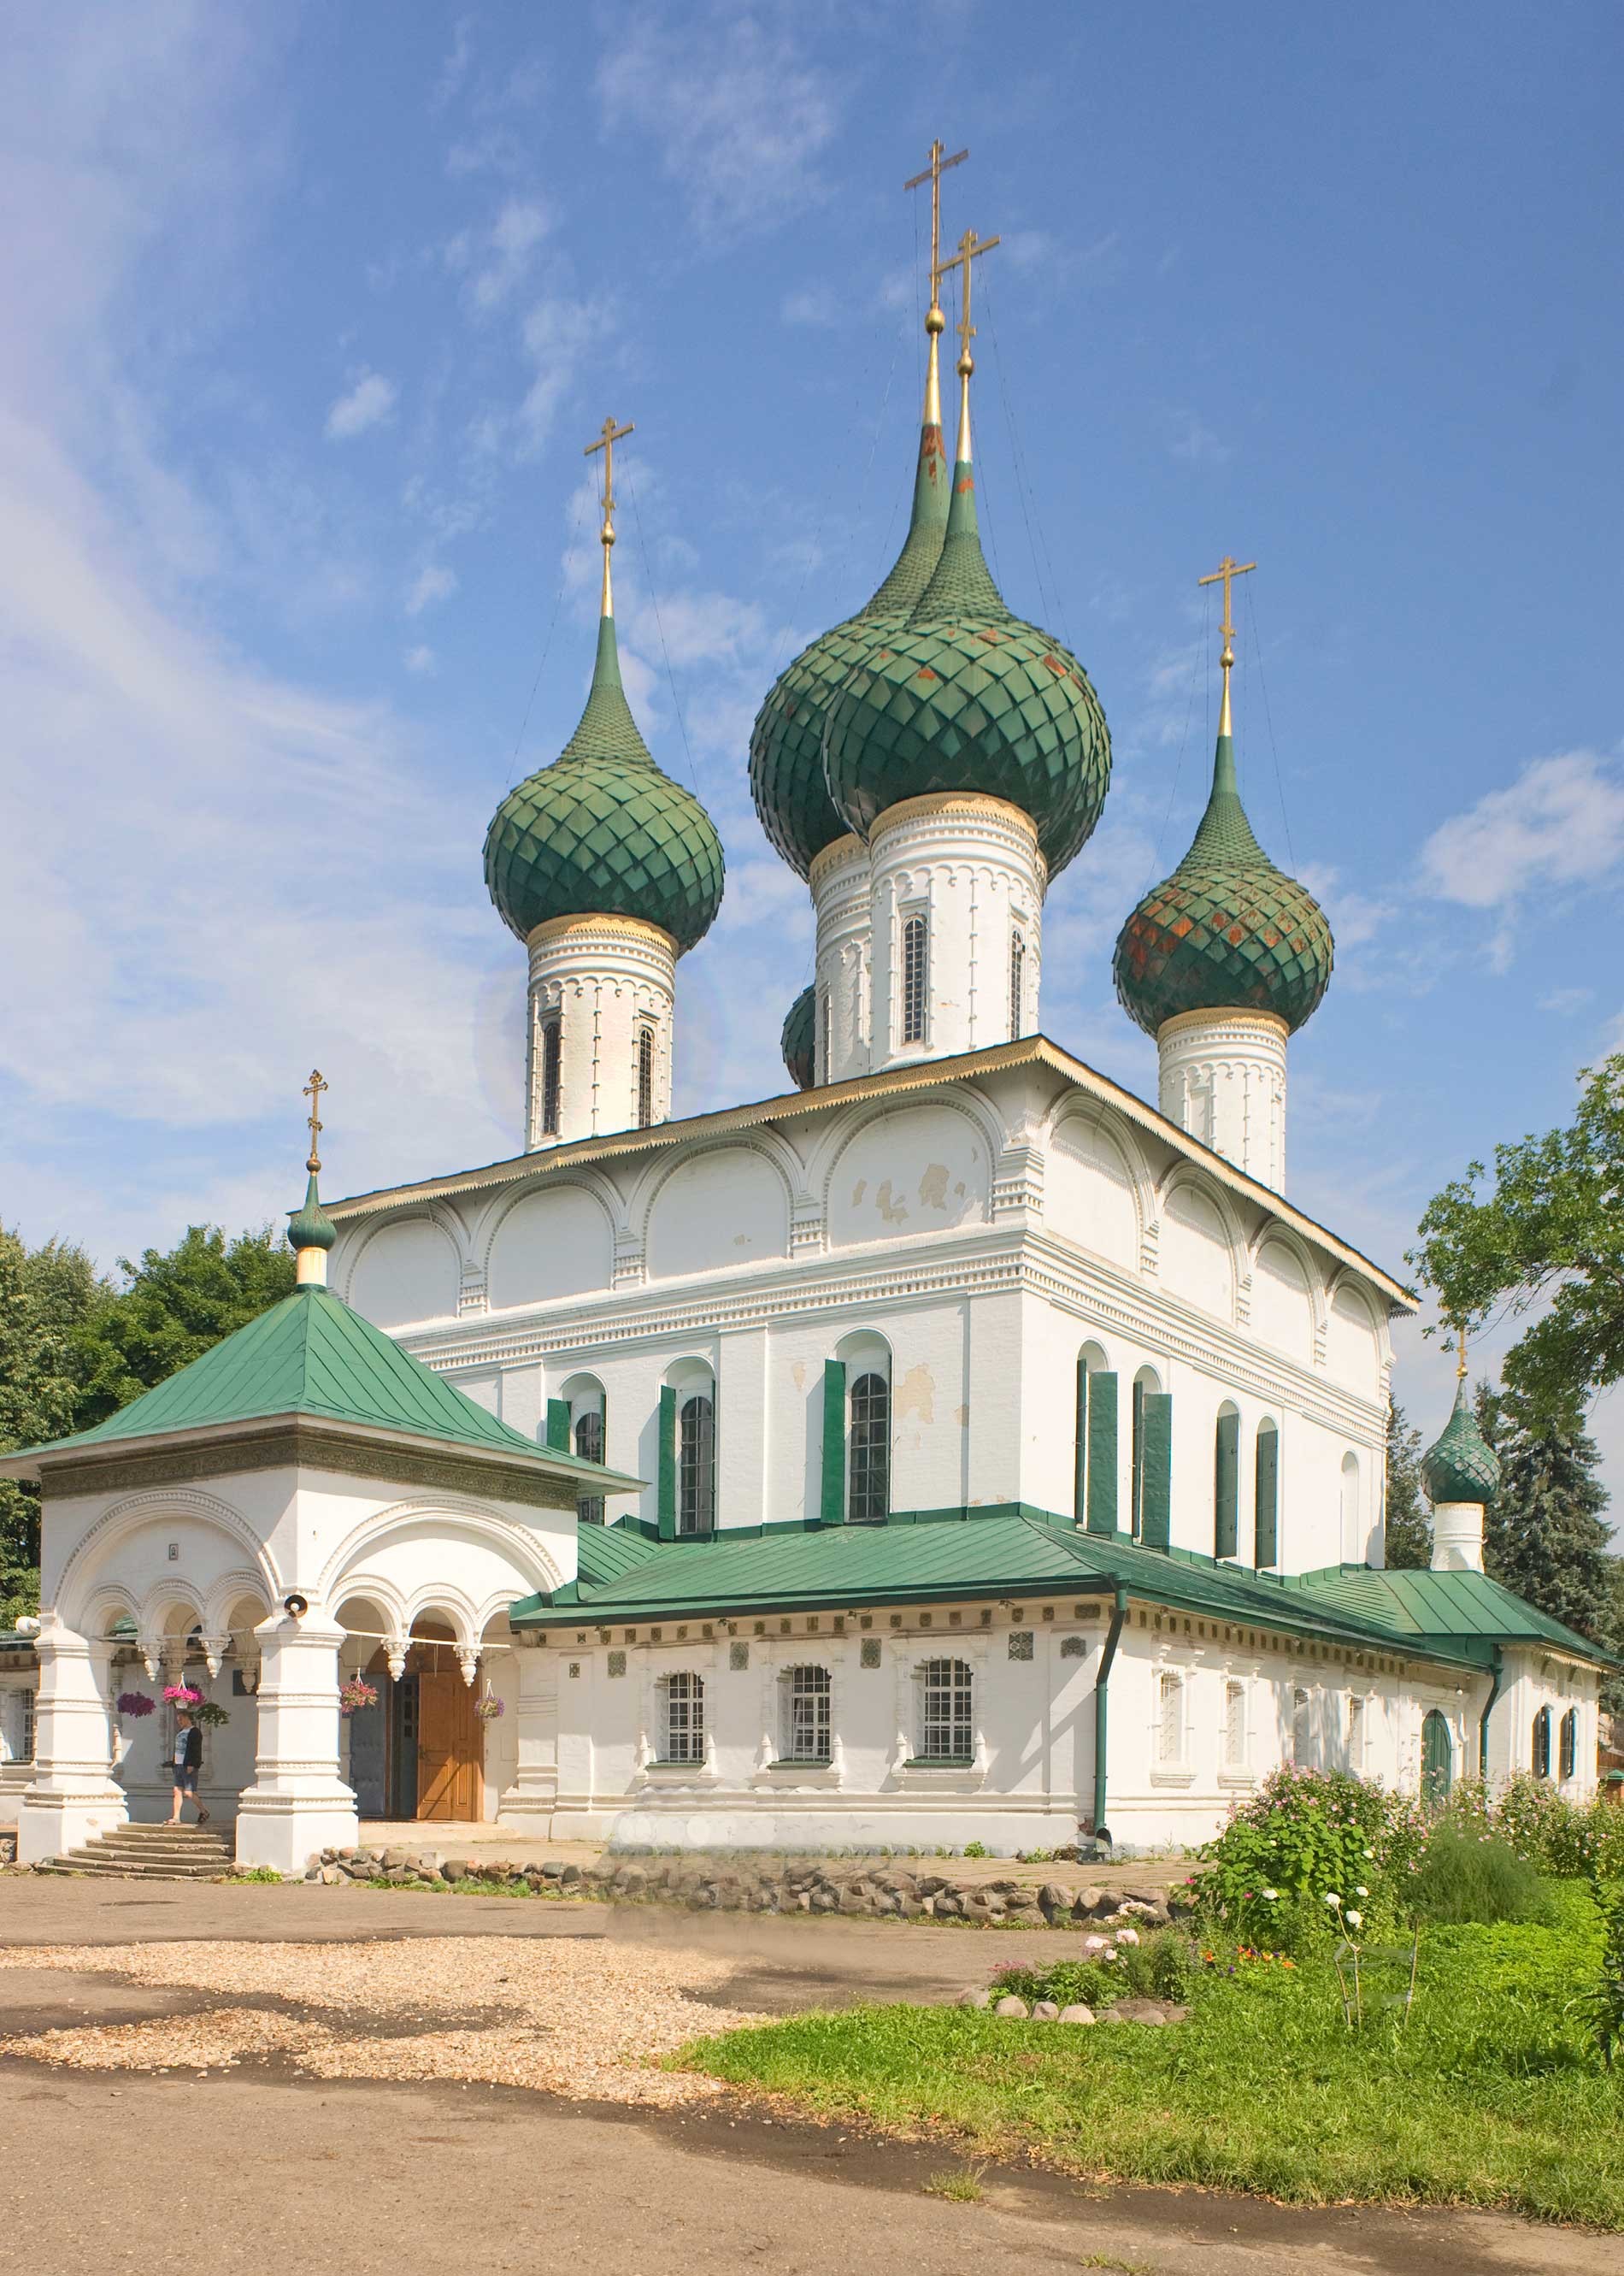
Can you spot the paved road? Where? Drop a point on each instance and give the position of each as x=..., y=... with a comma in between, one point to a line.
x=261, y=2167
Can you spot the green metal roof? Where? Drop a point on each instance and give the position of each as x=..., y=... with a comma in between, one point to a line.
x=965, y=696
x=602, y=832
x=786, y=743
x=312, y=1355
x=1431, y=1607
x=1227, y=931
x=1461, y=1465
x=799, y=1040
x=1010, y=1549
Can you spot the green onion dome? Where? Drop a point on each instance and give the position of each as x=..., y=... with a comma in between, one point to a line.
x=1461, y=1466
x=311, y=1228
x=1227, y=931
x=965, y=696
x=799, y=1040
x=602, y=832
x=786, y=743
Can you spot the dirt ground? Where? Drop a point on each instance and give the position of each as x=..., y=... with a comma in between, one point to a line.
x=260, y=2162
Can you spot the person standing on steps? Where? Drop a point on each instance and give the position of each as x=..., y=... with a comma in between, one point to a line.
x=188, y=1763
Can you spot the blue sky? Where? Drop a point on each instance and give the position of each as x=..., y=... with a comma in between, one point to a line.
x=308, y=315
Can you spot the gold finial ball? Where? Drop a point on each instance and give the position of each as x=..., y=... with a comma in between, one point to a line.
x=934, y=320
x=609, y=532
x=966, y=364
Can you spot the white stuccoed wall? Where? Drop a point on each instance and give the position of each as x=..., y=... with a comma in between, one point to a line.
x=606, y=978
x=1223, y=1080
x=842, y=891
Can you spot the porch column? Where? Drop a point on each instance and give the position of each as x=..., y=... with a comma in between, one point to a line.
x=73, y=1796
x=529, y=1800
x=298, y=1802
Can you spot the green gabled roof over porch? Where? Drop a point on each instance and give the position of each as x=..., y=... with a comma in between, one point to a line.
x=924, y=1555
x=1428, y=1607
x=313, y=1358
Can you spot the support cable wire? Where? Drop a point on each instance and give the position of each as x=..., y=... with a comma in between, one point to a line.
x=1199, y=652
x=547, y=644
x=1049, y=596
x=654, y=598
x=1279, y=786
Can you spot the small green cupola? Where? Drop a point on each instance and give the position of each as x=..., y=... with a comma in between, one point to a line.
x=1227, y=931
x=785, y=744
x=1461, y=1466
x=602, y=832
x=799, y=1040
x=965, y=696
x=311, y=1232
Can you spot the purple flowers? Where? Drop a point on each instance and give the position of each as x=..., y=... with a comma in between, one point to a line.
x=136, y=1704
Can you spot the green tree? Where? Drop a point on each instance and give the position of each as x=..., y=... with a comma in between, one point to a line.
x=1545, y=1534
x=46, y=1295
x=1549, y=1237
x=1409, y=1527
x=177, y=1304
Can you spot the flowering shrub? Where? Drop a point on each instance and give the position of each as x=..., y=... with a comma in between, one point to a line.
x=1161, y=1965
x=355, y=1694
x=1544, y=1829
x=137, y=1703
x=1302, y=1833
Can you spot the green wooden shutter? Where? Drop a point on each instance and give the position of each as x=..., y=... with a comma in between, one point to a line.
x=831, y=1493
x=1267, y=1551
x=666, y=1472
x=1102, y=1454
x=558, y=1425
x=1156, y=1492
x=1227, y=1487
x=1079, y=1448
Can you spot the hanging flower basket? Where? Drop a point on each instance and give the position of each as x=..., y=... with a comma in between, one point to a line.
x=209, y=1716
x=136, y=1704
x=490, y=1709
x=355, y=1694
x=183, y=1694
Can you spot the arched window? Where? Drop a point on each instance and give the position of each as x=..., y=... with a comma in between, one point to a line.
x=1436, y=1758
x=1227, y=1483
x=1266, y=1505
x=868, y=1451
x=1017, y=967
x=1569, y=1758
x=552, y=1072
x=589, y=1446
x=946, y=1731
x=695, y=1465
x=1541, y=1750
x=683, y=1736
x=645, y=1076
x=1152, y=1460
x=1094, y=1451
x=916, y=978
x=807, y=1734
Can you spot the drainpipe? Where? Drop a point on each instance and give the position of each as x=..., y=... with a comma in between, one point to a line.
x=1101, y=1724
x=1483, y=1720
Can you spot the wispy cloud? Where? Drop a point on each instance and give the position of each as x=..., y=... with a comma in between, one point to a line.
x=1191, y=439
x=419, y=659
x=739, y=114
x=369, y=403
x=1562, y=823
x=433, y=582
x=495, y=260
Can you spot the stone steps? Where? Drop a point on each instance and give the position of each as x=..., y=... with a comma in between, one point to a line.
x=153, y=1853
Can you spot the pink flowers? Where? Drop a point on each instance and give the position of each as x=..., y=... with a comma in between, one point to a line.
x=183, y=1694
x=356, y=1693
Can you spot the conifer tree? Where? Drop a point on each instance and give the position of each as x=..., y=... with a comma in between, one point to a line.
x=1545, y=1534
x=1409, y=1527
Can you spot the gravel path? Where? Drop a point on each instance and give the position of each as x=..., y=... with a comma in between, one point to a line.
x=582, y=2020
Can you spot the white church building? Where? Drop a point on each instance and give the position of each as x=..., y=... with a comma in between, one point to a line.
x=952, y=1447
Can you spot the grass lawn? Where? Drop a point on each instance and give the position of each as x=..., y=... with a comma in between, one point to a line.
x=1489, y=2096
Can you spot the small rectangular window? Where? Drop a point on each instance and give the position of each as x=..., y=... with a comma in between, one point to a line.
x=684, y=1718
x=1356, y=1731
x=916, y=957
x=826, y=1038
x=1017, y=967
x=946, y=1731
x=1234, y=1726
x=1301, y=1748
x=1170, y=1732
x=25, y=1741
x=808, y=1734
x=645, y=1077
x=552, y=1072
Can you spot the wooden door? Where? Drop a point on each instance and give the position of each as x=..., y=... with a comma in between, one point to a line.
x=451, y=1750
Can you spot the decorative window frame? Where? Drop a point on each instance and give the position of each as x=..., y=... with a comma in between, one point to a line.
x=653, y=1767
x=909, y=1662
x=1170, y=1770
x=1240, y=1773
x=773, y=1769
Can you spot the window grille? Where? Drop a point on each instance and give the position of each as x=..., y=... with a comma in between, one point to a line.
x=808, y=1733
x=696, y=1466
x=684, y=1717
x=1017, y=965
x=947, y=1731
x=589, y=1446
x=1541, y=1743
x=1234, y=1725
x=916, y=959
x=868, y=1451
x=645, y=1077
x=24, y=1737
x=552, y=1072
x=1569, y=1757
x=1170, y=1735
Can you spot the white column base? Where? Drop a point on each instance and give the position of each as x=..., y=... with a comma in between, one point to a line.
x=56, y=1816
x=531, y=1798
x=72, y=1796
x=297, y=1803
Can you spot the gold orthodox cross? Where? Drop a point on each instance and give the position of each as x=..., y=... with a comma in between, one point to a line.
x=608, y=438
x=313, y=1090
x=969, y=247
x=932, y=174
x=1227, y=569
x=1460, y=1344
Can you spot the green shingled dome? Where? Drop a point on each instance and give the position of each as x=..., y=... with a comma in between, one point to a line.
x=786, y=743
x=1461, y=1466
x=602, y=832
x=965, y=696
x=311, y=1228
x=1227, y=931
x=799, y=1041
